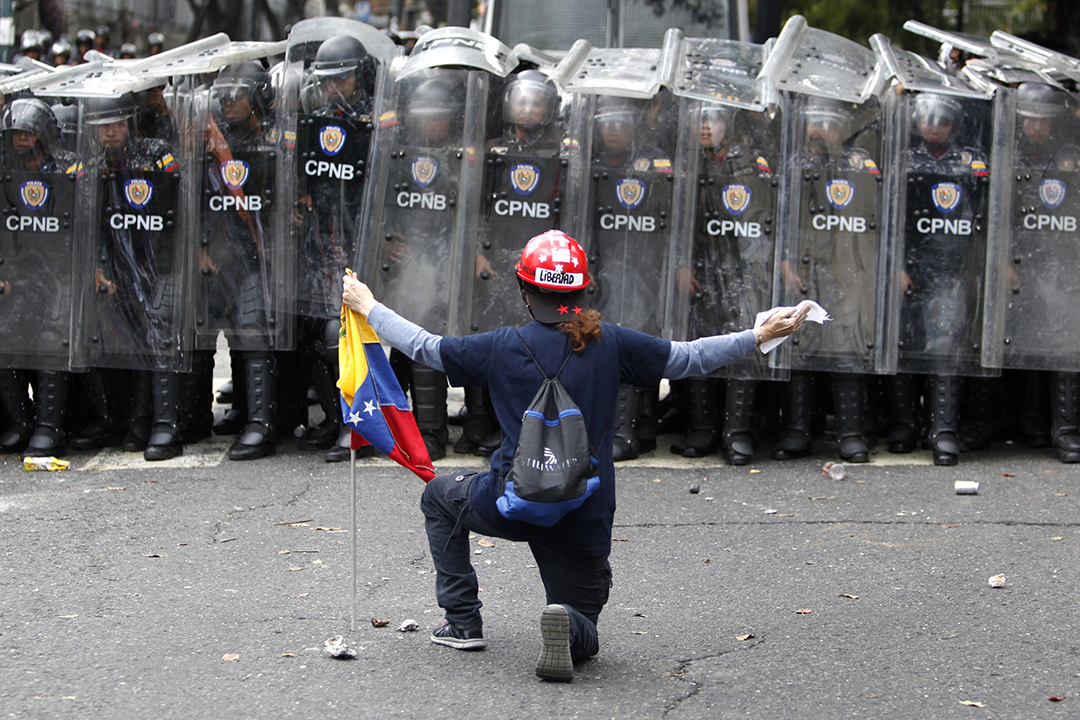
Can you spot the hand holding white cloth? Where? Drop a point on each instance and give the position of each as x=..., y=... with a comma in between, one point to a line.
x=817, y=314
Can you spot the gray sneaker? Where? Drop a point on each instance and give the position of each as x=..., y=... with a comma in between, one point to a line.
x=451, y=635
x=555, y=663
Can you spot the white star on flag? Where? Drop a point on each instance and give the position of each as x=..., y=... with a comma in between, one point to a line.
x=558, y=268
x=354, y=417
x=369, y=407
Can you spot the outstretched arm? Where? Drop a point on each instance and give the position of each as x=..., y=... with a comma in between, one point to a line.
x=408, y=337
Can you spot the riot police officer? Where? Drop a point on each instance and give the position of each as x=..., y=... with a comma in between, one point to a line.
x=524, y=178
x=836, y=263
x=628, y=239
x=728, y=278
x=134, y=316
x=427, y=166
x=36, y=301
x=238, y=293
x=944, y=256
x=336, y=128
x=1042, y=275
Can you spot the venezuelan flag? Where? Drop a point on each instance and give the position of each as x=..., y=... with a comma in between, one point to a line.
x=372, y=402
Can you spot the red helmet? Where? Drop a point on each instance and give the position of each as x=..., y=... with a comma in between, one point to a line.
x=554, y=261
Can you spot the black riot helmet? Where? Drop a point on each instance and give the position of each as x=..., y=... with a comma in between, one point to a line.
x=936, y=109
x=30, y=42
x=33, y=116
x=106, y=110
x=155, y=40
x=67, y=121
x=249, y=79
x=128, y=51
x=1039, y=100
x=530, y=100
x=432, y=101
x=341, y=55
x=85, y=37
x=62, y=49
x=717, y=126
x=829, y=114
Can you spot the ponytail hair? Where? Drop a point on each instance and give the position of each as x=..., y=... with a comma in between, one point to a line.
x=583, y=329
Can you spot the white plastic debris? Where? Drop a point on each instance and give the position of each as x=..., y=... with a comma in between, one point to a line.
x=338, y=647
x=998, y=581
x=409, y=625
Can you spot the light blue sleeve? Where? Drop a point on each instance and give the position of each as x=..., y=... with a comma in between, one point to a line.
x=406, y=336
x=702, y=356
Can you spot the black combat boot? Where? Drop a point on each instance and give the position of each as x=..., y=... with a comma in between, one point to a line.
x=795, y=436
x=325, y=434
x=50, y=397
x=1065, y=415
x=429, y=407
x=18, y=411
x=627, y=407
x=105, y=426
x=982, y=396
x=257, y=439
x=480, y=433
x=197, y=398
x=1034, y=415
x=165, y=441
x=902, y=395
x=943, y=402
x=647, y=422
x=140, y=413
x=738, y=421
x=235, y=418
x=701, y=396
x=848, y=413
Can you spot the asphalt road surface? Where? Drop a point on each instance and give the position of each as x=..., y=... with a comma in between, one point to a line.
x=203, y=588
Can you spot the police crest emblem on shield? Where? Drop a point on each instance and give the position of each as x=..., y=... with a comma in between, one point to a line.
x=235, y=173
x=424, y=169
x=138, y=192
x=736, y=198
x=331, y=139
x=1052, y=192
x=946, y=196
x=524, y=178
x=841, y=192
x=630, y=192
x=34, y=193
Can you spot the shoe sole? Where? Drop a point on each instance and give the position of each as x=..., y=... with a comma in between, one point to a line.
x=474, y=644
x=555, y=663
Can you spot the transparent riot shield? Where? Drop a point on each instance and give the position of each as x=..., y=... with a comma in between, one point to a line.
x=424, y=203
x=626, y=225
x=240, y=287
x=808, y=60
x=1033, y=229
x=938, y=231
x=134, y=305
x=331, y=71
x=524, y=180
x=728, y=192
x=832, y=245
x=36, y=264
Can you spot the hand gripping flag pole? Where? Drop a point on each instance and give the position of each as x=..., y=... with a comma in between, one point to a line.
x=376, y=410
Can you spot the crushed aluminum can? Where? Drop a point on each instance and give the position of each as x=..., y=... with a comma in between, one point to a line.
x=338, y=647
x=966, y=487
x=44, y=463
x=998, y=581
x=834, y=470
x=409, y=625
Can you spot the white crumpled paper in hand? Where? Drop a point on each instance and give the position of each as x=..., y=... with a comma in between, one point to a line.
x=817, y=314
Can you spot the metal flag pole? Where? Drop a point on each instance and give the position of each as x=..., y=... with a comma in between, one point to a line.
x=352, y=479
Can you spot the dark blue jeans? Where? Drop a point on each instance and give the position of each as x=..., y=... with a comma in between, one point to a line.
x=580, y=584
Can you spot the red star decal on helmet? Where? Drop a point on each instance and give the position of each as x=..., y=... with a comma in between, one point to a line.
x=563, y=310
x=577, y=311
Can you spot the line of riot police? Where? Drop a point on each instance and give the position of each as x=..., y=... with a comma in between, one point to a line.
x=929, y=212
